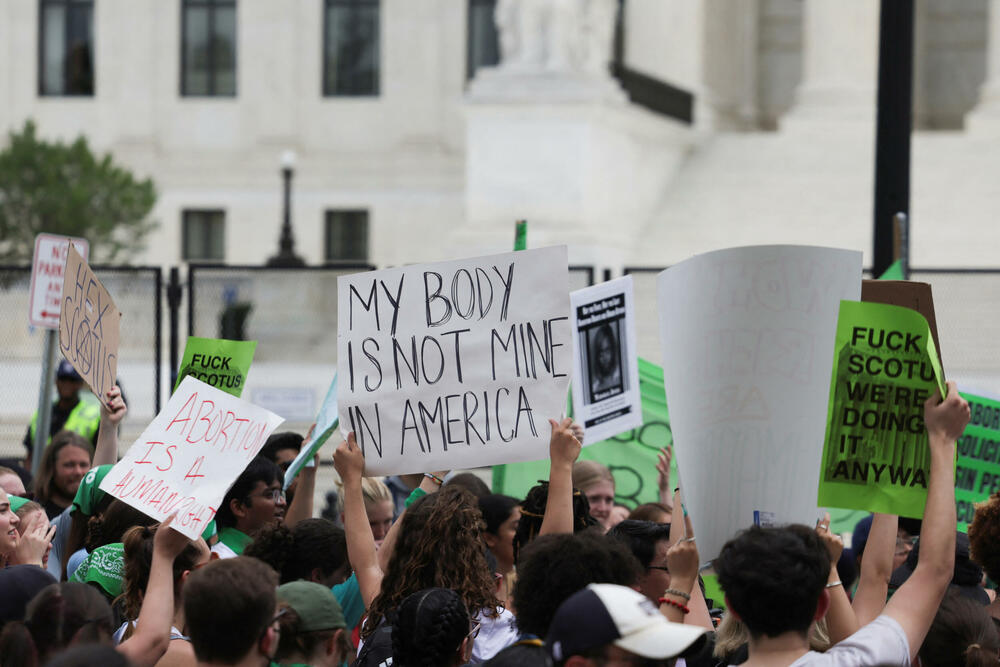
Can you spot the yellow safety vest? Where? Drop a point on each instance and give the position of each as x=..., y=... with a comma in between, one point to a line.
x=84, y=418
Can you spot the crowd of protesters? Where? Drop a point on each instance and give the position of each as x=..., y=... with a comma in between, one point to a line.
x=435, y=570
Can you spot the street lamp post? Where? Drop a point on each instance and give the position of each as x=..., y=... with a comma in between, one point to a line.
x=286, y=256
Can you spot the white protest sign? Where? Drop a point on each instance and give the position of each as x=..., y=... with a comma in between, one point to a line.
x=454, y=364
x=190, y=454
x=606, y=398
x=47, y=266
x=746, y=336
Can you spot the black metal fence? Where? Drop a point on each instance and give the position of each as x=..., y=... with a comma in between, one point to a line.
x=138, y=293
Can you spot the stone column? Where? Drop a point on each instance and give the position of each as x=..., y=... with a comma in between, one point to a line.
x=840, y=62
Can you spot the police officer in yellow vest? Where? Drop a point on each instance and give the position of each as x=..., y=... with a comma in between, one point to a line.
x=69, y=412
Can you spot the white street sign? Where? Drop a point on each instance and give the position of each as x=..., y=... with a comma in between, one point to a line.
x=47, y=277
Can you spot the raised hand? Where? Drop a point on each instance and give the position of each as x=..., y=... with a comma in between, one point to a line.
x=564, y=446
x=348, y=459
x=946, y=420
x=682, y=559
x=663, y=474
x=34, y=543
x=113, y=406
x=167, y=542
x=834, y=543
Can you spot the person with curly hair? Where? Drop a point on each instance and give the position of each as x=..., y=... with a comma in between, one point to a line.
x=314, y=550
x=439, y=543
x=433, y=629
x=984, y=544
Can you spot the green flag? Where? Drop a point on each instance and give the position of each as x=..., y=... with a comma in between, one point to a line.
x=977, y=474
x=224, y=364
x=894, y=272
x=885, y=367
x=521, y=235
x=630, y=455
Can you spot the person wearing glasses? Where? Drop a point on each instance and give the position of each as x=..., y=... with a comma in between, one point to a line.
x=433, y=628
x=649, y=543
x=253, y=501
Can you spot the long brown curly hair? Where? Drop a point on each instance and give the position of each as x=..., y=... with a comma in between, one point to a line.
x=440, y=545
x=984, y=536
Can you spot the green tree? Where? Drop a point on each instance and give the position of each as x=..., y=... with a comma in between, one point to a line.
x=64, y=188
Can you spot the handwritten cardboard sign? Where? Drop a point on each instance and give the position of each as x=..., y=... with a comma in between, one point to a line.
x=606, y=398
x=454, y=364
x=190, y=454
x=885, y=367
x=89, y=325
x=746, y=335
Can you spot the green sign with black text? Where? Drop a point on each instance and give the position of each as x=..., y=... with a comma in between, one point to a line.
x=885, y=367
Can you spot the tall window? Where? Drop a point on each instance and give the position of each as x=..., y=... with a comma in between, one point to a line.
x=208, y=48
x=347, y=235
x=351, y=47
x=66, y=47
x=483, y=44
x=203, y=236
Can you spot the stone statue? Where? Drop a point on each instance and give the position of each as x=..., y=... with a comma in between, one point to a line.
x=556, y=35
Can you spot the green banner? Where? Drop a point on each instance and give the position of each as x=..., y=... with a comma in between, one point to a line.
x=977, y=474
x=630, y=455
x=521, y=235
x=885, y=367
x=894, y=272
x=224, y=364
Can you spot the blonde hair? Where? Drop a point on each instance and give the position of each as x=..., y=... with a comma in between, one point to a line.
x=588, y=473
x=373, y=490
x=732, y=633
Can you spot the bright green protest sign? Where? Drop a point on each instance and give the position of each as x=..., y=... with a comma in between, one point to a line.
x=885, y=367
x=224, y=364
x=977, y=474
x=631, y=455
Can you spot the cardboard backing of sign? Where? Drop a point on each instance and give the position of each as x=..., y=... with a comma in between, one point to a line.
x=907, y=293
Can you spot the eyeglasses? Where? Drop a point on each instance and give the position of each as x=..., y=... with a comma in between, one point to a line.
x=905, y=544
x=659, y=567
x=274, y=495
x=474, y=632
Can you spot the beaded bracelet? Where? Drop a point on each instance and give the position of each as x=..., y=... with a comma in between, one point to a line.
x=672, y=603
x=680, y=594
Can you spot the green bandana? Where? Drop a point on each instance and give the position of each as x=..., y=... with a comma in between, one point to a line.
x=236, y=540
x=89, y=494
x=16, y=502
x=105, y=567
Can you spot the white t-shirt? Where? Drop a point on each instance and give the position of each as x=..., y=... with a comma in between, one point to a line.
x=495, y=634
x=881, y=642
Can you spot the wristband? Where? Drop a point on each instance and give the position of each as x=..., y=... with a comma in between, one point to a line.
x=680, y=594
x=430, y=475
x=678, y=605
x=415, y=495
x=835, y=583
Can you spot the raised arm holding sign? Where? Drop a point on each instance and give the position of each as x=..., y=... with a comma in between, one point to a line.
x=190, y=454
x=454, y=364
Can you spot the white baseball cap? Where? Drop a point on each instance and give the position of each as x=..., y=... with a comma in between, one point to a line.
x=603, y=614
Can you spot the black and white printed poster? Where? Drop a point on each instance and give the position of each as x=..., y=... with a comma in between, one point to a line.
x=606, y=397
